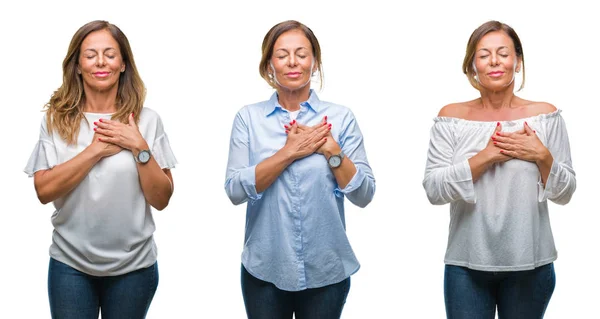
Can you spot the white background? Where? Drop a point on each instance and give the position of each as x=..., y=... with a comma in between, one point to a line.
x=394, y=66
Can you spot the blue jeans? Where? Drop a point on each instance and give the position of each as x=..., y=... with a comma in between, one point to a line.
x=517, y=294
x=265, y=301
x=77, y=295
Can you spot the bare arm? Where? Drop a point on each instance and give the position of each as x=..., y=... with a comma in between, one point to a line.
x=58, y=181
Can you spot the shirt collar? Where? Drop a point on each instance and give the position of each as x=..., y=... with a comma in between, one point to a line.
x=312, y=103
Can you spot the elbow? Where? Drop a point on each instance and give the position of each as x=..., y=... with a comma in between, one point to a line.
x=43, y=196
x=435, y=200
x=43, y=199
x=236, y=198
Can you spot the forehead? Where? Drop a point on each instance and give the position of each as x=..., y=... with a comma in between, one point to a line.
x=495, y=39
x=292, y=39
x=99, y=40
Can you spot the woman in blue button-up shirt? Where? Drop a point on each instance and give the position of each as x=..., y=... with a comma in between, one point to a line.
x=294, y=158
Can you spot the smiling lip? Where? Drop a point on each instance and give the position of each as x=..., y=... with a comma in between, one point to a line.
x=293, y=75
x=496, y=74
x=101, y=74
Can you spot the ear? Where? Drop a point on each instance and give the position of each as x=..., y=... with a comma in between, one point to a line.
x=78, y=70
x=518, y=67
x=123, y=68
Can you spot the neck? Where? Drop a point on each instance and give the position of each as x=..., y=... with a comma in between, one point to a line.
x=497, y=99
x=100, y=101
x=291, y=99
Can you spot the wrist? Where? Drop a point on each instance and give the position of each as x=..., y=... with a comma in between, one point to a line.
x=331, y=151
x=142, y=145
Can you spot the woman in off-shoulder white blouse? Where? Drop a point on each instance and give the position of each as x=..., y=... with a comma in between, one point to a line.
x=497, y=160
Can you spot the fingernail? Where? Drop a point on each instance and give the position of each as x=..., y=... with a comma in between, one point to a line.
x=95, y=123
x=495, y=143
x=286, y=131
x=533, y=131
x=285, y=126
x=325, y=139
x=498, y=124
x=94, y=128
x=100, y=120
x=526, y=123
x=132, y=114
x=294, y=121
x=325, y=117
x=498, y=133
x=493, y=138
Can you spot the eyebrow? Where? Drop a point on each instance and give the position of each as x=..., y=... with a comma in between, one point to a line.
x=94, y=50
x=485, y=49
x=282, y=49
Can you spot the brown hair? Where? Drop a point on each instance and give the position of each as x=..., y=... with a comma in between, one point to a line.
x=476, y=36
x=64, y=111
x=269, y=42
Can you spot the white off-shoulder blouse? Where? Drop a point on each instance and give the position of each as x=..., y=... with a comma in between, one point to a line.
x=500, y=222
x=104, y=226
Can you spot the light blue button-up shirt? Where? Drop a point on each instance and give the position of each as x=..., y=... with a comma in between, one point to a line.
x=295, y=229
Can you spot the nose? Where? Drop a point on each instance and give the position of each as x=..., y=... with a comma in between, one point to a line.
x=292, y=61
x=101, y=60
x=494, y=59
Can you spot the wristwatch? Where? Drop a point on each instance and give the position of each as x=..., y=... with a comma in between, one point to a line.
x=143, y=156
x=336, y=160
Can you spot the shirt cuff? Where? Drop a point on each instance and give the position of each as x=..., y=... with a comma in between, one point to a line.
x=545, y=191
x=248, y=181
x=353, y=185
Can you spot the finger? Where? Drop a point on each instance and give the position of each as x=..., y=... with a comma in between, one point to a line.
x=498, y=127
x=527, y=129
x=102, y=124
x=505, y=146
x=103, y=132
x=324, y=119
x=294, y=128
x=131, y=120
x=509, y=153
x=319, y=143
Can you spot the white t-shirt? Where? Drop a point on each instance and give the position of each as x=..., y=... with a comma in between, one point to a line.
x=104, y=226
x=500, y=222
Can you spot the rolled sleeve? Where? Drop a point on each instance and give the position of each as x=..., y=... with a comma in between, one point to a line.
x=361, y=188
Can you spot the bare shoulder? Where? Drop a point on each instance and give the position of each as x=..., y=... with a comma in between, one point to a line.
x=457, y=110
x=536, y=108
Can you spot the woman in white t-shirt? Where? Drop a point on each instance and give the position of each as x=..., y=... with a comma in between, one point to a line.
x=103, y=160
x=497, y=160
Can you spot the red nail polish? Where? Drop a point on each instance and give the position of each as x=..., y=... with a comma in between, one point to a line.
x=493, y=138
x=94, y=129
x=100, y=120
x=495, y=143
x=325, y=117
x=498, y=124
x=294, y=121
x=286, y=131
x=132, y=114
x=498, y=133
x=325, y=139
x=95, y=123
x=526, y=123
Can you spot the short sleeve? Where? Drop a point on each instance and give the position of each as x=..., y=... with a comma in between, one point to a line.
x=44, y=155
x=161, y=149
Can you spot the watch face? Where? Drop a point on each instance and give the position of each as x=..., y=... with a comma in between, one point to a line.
x=335, y=161
x=144, y=157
